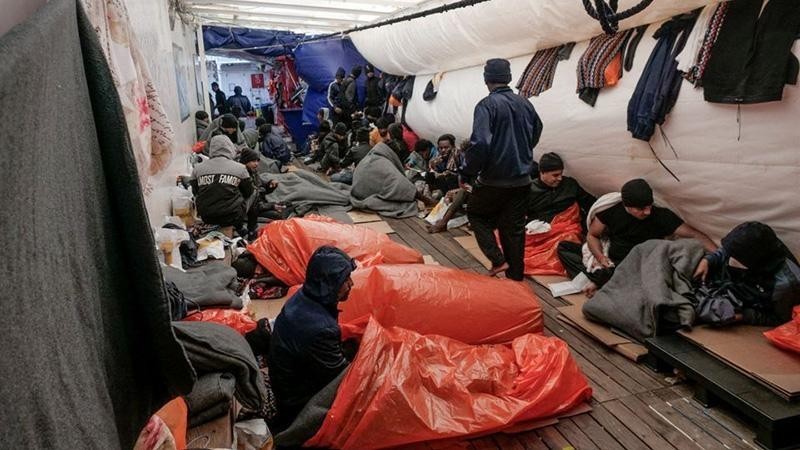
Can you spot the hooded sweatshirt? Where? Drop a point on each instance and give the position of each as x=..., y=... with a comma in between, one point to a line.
x=221, y=185
x=306, y=345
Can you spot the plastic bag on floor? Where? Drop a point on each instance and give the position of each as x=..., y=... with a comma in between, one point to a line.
x=253, y=435
x=404, y=387
x=285, y=246
x=787, y=336
x=541, y=249
x=429, y=299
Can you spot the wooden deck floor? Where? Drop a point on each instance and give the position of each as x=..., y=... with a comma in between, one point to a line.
x=633, y=407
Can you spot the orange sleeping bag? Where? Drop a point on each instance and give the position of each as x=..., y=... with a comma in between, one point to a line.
x=541, y=250
x=787, y=336
x=404, y=388
x=285, y=246
x=428, y=299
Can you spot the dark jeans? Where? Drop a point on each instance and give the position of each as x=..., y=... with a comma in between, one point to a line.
x=572, y=259
x=493, y=208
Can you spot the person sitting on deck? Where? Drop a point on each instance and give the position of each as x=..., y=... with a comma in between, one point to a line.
x=401, y=148
x=558, y=205
x=333, y=149
x=306, y=350
x=273, y=146
x=624, y=220
x=753, y=274
x=221, y=185
x=381, y=128
x=225, y=125
x=419, y=161
x=251, y=134
x=357, y=151
x=443, y=177
x=257, y=204
x=201, y=122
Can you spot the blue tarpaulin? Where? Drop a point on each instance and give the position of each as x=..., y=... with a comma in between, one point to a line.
x=272, y=43
x=316, y=63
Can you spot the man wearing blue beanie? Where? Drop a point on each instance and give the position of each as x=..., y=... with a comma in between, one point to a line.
x=505, y=129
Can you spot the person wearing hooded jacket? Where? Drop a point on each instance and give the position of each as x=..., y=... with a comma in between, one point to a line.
x=306, y=350
x=224, y=125
x=349, y=101
x=336, y=95
x=237, y=99
x=221, y=185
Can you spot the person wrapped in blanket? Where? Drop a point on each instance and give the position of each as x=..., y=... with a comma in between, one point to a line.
x=306, y=351
x=618, y=222
x=257, y=204
x=751, y=279
x=443, y=177
x=557, y=211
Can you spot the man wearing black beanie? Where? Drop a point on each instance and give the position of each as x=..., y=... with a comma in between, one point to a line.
x=505, y=129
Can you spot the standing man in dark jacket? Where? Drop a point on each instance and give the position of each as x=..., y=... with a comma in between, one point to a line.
x=237, y=99
x=220, y=99
x=505, y=129
x=375, y=94
x=306, y=346
x=221, y=185
x=335, y=96
x=349, y=101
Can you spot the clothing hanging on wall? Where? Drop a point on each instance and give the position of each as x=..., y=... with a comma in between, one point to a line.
x=538, y=75
x=592, y=65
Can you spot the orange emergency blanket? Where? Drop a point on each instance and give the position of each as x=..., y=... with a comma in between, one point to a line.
x=541, y=250
x=404, y=387
x=285, y=246
x=428, y=299
x=787, y=336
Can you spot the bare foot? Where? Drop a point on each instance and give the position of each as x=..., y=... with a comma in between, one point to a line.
x=437, y=228
x=497, y=269
x=590, y=290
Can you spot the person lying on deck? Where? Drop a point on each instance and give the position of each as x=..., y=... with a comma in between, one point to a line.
x=257, y=204
x=221, y=185
x=306, y=350
x=752, y=279
x=623, y=220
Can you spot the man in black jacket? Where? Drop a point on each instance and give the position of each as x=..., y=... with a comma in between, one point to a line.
x=336, y=95
x=220, y=99
x=306, y=346
x=375, y=94
x=505, y=129
x=237, y=99
x=221, y=185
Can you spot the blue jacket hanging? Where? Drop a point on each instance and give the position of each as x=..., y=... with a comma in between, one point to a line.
x=660, y=83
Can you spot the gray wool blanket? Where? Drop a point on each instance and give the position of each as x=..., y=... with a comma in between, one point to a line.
x=646, y=295
x=214, y=348
x=380, y=185
x=311, y=417
x=306, y=192
x=212, y=285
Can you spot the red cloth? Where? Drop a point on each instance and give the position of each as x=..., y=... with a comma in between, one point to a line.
x=541, y=250
x=787, y=336
x=285, y=246
x=430, y=299
x=410, y=138
x=404, y=387
x=237, y=320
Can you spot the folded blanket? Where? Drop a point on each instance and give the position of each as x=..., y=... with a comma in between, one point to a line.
x=214, y=348
x=380, y=185
x=211, y=285
x=647, y=294
x=306, y=191
x=210, y=398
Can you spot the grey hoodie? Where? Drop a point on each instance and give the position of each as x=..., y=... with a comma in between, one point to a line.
x=221, y=185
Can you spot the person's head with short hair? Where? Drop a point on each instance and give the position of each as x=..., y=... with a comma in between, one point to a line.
x=201, y=115
x=551, y=169
x=237, y=90
x=260, y=121
x=497, y=73
x=340, y=130
x=382, y=125
x=328, y=279
x=236, y=111
x=250, y=159
x=637, y=197
x=339, y=74
x=446, y=142
x=229, y=124
x=215, y=86
x=355, y=72
x=396, y=131
x=423, y=148
x=264, y=130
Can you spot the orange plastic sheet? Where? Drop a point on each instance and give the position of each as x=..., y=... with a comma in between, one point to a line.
x=237, y=320
x=787, y=336
x=285, y=246
x=428, y=299
x=541, y=250
x=404, y=387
